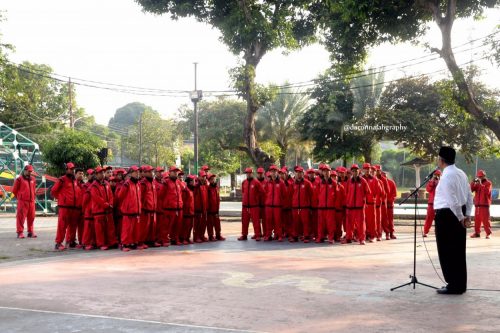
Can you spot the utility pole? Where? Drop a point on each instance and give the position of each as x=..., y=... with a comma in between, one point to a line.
x=196, y=96
x=71, y=116
x=140, y=138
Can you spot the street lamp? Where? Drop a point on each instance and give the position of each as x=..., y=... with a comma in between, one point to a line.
x=195, y=96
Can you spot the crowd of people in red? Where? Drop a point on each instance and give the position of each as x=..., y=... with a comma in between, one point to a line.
x=340, y=205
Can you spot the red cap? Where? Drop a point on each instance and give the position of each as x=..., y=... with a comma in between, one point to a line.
x=268, y=174
x=273, y=167
x=378, y=167
x=107, y=167
x=354, y=166
x=132, y=168
x=260, y=170
x=70, y=165
x=333, y=173
x=159, y=169
x=318, y=172
x=211, y=175
x=366, y=166
x=99, y=169
x=248, y=170
x=326, y=167
x=320, y=166
x=90, y=172
x=438, y=172
x=29, y=167
x=202, y=173
x=481, y=173
x=146, y=168
x=205, y=168
x=309, y=171
x=120, y=170
x=298, y=168
x=341, y=169
x=173, y=168
x=372, y=167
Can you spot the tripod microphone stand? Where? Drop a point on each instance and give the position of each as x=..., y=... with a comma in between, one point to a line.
x=413, y=278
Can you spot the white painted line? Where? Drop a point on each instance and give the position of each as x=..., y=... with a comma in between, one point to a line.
x=129, y=319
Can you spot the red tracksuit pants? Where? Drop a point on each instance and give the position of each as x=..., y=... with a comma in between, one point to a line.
x=326, y=224
x=287, y=221
x=105, y=234
x=273, y=222
x=378, y=220
x=75, y=227
x=301, y=222
x=187, y=227
x=370, y=221
x=128, y=230
x=148, y=225
x=168, y=219
x=214, y=225
x=355, y=219
x=253, y=214
x=389, y=225
x=482, y=216
x=67, y=222
x=25, y=212
x=339, y=223
x=88, y=232
x=429, y=218
x=200, y=225
x=314, y=216
x=262, y=216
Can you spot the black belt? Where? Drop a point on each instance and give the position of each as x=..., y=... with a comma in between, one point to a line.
x=184, y=215
x=174, y=209
x=102, y=213
x=274, y=206
x=251, y=206
x=326, y=208
x=482, y=205
x=148, y=211
x=131, y=214
x=213, y=213
x=70, y=207
x=370, y=203
x=354, y=208
x=307, y=207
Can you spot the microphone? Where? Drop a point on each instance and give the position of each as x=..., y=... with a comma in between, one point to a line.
x=432, y=173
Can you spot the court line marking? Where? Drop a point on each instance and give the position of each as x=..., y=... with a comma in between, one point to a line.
x=130, y=319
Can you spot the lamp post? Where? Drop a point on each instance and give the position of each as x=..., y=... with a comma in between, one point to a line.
x=195, y=96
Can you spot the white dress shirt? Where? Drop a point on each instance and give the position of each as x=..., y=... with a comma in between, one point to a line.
x=453, y=191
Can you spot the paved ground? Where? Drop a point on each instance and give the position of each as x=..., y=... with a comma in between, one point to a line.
x=243, y=286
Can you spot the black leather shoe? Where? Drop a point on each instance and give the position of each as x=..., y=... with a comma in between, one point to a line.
x=446, y=291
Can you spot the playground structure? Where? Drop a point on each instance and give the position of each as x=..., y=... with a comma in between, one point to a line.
x=16, y=151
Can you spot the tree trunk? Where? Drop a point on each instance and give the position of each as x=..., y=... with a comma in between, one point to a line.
x=367, y=153
x=233, y=180
x=465, y=97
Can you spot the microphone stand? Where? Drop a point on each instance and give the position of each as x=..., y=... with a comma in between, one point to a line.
x=413, y=278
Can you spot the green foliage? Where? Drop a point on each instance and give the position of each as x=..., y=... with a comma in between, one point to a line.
x=71, y=146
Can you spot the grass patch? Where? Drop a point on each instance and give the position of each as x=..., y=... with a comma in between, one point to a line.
x=4, y=257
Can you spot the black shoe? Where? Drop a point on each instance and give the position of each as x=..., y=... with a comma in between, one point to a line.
x=72, y=245
x=446, y=291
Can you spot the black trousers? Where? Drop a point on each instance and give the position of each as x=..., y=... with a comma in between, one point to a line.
x=450, y=239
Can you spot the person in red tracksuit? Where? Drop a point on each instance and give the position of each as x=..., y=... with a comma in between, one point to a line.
x=327, y=206
x=286, y=215
x=119, y=175
x=382, y=210
x=172, y=206
x=481, y=187
x=188, y=210
x=391, y=197
x=149, y=202
x=130, y=199
x=200, y=208
x=251, y=192
x=262, y=214
x=88, y=229
x=80, y=227
x=342, y=179
x=101, y=198
x=339, y=208
x=431, y=189
x=213, y=210
x=357, y=192
x=276, y=194
x=370, y=221
x=315, y=182
x=160, y=218
x=301, y=206
x=24, y=191
x=66, y=191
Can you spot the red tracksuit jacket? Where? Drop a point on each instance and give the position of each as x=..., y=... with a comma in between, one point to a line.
x=24, y=188
x=86, y=201
x=431, y=188
x=315, y=192
x=213, y=199
x=302, y=194
x=159, y=194
x=67, y=192
x=393, y=192
x=252, y=192
x=130, y=198
x=482, y=197
x=171, y=195
x=327, y=196
x=187, y=202
x=374, y=189
x=101, y=198
x=148, y=195
x=357, y=192
x=276, y=193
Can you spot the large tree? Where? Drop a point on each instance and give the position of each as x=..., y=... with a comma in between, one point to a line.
x=352, y=27
x=250, y=29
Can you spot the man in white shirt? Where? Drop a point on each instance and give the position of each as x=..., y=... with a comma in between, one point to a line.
x=452, y=205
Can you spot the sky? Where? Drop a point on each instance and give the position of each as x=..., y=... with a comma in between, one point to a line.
x=113, y=41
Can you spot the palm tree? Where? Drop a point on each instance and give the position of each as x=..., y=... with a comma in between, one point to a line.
x=277, y=120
